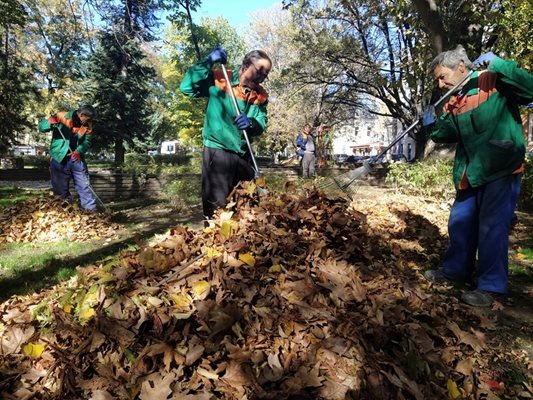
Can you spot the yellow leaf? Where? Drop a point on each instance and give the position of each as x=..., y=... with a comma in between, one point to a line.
x=86, y=312
x=227, y=228
x=251, y=188
x=247, y=258
x=67, y=308
x=200, y=287
x=212, y=252
x=292, y=298
x=520, y=257
x=279, y=203
x=33, y=350
x=181, y=300
x=454, y=392
x=280, y=232
x=275, y=268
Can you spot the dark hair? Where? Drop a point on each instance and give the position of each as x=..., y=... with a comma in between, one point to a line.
x=87, y=110
x=451, y=59
x=253, y=56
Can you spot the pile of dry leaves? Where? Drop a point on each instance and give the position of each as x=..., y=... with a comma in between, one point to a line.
x=288, y=296
x=49, y=219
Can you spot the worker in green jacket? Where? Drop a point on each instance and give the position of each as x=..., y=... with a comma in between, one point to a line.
x=226, y=158
x=482, y=117
x=71, y=139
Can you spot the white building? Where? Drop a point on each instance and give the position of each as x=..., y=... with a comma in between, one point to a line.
x=169, y=147
x=369, y=135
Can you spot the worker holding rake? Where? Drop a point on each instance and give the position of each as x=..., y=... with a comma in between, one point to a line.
x=227, y=157
x=483, y=118
x=71, y=139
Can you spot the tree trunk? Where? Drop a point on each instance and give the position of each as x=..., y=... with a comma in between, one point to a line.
x=194, y=39
x=119, y=150
x=434, y=26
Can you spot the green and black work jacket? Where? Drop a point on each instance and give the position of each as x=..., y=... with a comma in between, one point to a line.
x=67, y=131
x=220, y=131
x=483, y=118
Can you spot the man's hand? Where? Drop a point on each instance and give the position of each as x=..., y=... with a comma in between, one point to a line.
x=484, y=60
x=75, y=156
x=218, y=55
x=428, y=118
x=242, y=121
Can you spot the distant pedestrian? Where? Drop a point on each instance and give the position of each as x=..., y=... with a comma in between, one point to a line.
x=71, y=139
x=307, y=149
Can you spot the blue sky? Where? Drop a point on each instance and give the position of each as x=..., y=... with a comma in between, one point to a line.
x=237, y=12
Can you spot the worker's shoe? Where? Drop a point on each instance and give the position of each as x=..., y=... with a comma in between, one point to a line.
x=481, y=298
x=435, y=276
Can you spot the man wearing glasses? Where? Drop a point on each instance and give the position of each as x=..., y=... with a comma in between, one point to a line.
x=225, y=158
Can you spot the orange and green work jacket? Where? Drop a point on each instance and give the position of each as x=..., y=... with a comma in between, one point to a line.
x=75, y=135
x=220, y=132
x=483, y=118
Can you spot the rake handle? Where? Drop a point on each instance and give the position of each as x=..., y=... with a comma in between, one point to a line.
x=402, y=135
x=238, y=111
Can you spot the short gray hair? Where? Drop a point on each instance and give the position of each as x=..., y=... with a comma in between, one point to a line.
x=451, y=59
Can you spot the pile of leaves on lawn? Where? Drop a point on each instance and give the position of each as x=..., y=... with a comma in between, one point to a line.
x=287, y=296
x=49, y=219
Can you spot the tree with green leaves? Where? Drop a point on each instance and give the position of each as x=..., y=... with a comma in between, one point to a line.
x=118, y=84
x=16, y=88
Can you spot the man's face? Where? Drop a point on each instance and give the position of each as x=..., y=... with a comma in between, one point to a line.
x=84, y=119
x=447, y=78
x=254, y=74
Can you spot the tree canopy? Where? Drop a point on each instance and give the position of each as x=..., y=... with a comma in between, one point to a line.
x=332, y=59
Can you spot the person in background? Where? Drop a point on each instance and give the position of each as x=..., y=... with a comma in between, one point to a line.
x=483, y=118
x=226, y=158
x=71, y=139
x=305, y=143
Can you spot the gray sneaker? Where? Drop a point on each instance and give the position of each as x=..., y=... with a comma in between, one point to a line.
x=435, y=275
x=481, y=298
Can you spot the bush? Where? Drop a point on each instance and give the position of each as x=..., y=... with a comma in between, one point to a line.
x=145, y=164
x=183, y=193
x=427, y=178
x=36, y=161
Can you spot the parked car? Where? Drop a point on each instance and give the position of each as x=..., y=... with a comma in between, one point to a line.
x=352, y=160
x=340, y=158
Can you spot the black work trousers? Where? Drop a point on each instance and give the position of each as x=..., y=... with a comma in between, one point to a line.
x=222, y=170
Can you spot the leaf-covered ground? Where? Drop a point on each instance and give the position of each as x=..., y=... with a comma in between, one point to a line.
x=47, y=219
x=289, y=296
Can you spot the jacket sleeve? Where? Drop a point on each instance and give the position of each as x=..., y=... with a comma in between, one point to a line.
x=517, y=80
x=198, y=79
x=259, y=121
x=46, y=124
x=444, y=131
x=300, y=141
x=85, y=141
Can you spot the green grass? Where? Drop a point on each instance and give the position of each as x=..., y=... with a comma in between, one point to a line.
x=10, y=195
x=26, y=267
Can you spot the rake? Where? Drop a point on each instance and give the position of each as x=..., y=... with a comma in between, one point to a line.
x=344, y=181
x=257, y=173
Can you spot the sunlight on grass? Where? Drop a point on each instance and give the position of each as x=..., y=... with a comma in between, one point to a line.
x=528, y=253
x=20, y=257
x=520, y=270
x=10, y=195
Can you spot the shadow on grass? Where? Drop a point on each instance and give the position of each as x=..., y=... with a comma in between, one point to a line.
x=57, y=268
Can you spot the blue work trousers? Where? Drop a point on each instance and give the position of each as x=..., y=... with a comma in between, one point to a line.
x=479, y=225
x=61, y=174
